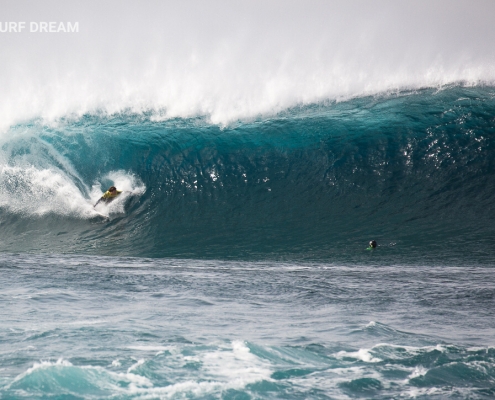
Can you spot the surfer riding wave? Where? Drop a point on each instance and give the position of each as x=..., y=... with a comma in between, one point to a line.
x=109, y=195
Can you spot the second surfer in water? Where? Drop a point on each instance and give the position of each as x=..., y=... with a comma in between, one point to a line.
x=372, y=245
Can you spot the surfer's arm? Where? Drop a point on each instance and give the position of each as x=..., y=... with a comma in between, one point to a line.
x=97, y=202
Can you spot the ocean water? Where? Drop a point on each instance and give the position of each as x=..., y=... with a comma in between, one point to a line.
x=234, y=265
x=114, y=327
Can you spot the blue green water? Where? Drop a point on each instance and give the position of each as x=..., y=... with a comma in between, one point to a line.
x=234, y=265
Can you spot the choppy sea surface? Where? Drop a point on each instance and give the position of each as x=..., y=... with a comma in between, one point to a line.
x=234, y=265
x=113, y=327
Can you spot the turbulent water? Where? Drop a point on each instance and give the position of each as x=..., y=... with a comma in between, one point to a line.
x=234, y=265
x=99, y=327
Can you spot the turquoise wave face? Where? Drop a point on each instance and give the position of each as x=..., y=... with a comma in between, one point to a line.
x=413, y=171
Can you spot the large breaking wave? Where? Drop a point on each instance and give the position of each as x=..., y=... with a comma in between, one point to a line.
x=413, y=170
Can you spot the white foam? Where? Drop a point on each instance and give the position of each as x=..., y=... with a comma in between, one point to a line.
x=477, y=348
x=136, y=365
x=236, y=365
x=231, y=367
x=418, y=371
x=149, y=348
x=88, y=322
x=38, y=191
x=417, y=392
x=361, y=354
x=410, y=350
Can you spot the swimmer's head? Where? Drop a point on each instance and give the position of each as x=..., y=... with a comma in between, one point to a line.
x=373, y=244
